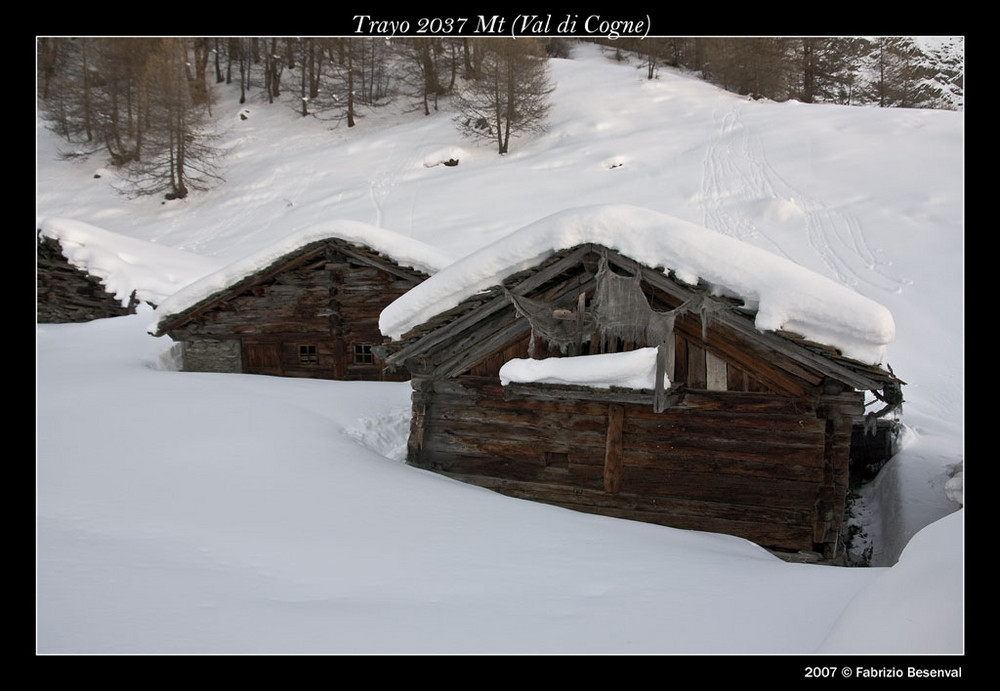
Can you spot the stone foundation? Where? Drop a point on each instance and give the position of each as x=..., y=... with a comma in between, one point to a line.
x=213, y=356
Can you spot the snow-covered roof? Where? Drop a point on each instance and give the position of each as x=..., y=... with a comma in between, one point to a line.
x=402, y=250
x=786, y=295
x=124, y=264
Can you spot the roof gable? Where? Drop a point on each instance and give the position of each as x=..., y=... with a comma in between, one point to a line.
x=783, y=296
x=395, y=254
x=459, y=338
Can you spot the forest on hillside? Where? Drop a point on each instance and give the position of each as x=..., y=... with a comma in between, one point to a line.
x=145, y=102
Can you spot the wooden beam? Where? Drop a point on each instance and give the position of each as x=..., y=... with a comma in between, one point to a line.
x=486, y=309
x=386, y=265
x=744, y=325
x=716, y=373
x=614, y=450
x=569, y=392
x=465, y=359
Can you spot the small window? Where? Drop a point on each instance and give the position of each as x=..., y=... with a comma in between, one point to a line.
x=363, y=355
x=307, y=354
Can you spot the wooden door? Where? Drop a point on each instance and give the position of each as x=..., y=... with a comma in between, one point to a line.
x=262, y=358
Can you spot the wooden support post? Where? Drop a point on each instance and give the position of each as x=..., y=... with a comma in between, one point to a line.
x=614, y=449
x=417, y=427
x=659, y=393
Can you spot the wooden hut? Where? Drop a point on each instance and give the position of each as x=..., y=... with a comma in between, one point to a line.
x=84, y=272
x=68, y=292
x=307, y=306
x=741, y=429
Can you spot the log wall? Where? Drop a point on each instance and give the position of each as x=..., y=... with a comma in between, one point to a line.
x=771, y=469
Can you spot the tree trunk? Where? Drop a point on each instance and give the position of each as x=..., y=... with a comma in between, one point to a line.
x=808, y=70
x=275, y=68
x=86, y=91
x=350, y=87
x=244, y=68
x=181, y=153
x=218, y=63
x=304, y=85
x=314, y=69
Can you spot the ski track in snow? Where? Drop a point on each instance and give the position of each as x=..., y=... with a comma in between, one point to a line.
x=723, y=178
x=736, y=171
x=383, y=180
x=377, y=191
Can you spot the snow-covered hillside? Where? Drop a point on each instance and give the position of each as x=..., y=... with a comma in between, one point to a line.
x=209, y=513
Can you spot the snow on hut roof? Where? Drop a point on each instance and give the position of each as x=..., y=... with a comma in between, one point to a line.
x=634, y=369
x=124, y=264
x=786, y=295
x=403, y=250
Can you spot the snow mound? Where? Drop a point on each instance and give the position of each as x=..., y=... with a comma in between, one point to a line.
x=883, y=618
x=386, y=435
x=449, y=156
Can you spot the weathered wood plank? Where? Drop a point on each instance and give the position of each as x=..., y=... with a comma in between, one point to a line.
x=683, y=424
x=745, y=403
x=716, y=373
x=806, y=468
x=614, y=449
x=494, y=419
x=765, y=525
